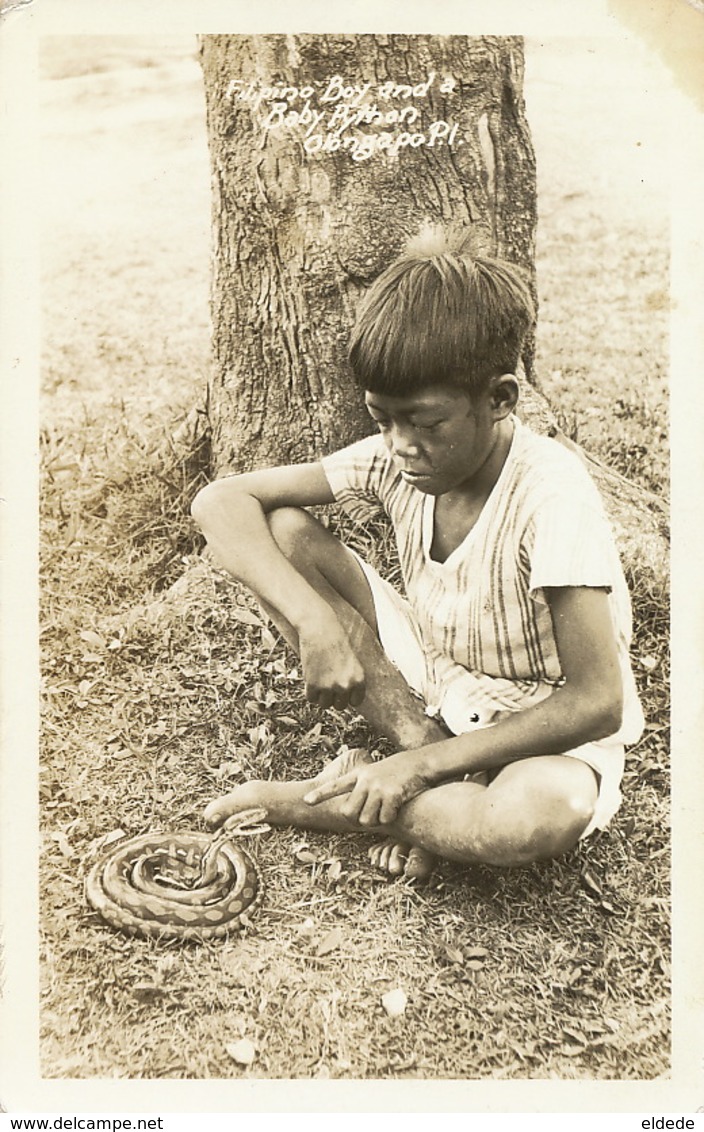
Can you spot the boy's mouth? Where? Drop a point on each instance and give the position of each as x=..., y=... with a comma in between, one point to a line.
x=415, y=477
x=413, y=473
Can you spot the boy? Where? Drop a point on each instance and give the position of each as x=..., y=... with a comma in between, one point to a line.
x=503, y=677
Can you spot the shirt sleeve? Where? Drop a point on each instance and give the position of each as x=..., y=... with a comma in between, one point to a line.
x=358, y=477
x=569, y=542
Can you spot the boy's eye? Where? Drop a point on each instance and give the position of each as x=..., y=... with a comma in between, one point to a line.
x=381, y=422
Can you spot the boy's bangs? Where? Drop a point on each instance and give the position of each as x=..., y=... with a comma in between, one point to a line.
x=418, y=353
x=417, y=331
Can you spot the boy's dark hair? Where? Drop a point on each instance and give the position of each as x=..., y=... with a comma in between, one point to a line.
x=441, y=318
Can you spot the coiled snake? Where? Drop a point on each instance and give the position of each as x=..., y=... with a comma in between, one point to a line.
x=189, y=886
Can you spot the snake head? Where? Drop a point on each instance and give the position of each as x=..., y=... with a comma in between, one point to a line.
x=246, y=823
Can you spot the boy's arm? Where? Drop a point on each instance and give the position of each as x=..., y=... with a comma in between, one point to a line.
x=586, y=707
x=232, y=512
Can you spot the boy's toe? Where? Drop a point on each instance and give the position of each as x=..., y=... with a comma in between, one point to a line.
x=419, y=864
x=390, y=857
x=396, y=864
x=397, y=859
x=379, y=855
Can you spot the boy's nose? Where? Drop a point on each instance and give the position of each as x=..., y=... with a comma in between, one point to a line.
x=403, y=444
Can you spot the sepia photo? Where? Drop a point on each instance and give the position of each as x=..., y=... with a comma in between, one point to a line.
x=354, y=456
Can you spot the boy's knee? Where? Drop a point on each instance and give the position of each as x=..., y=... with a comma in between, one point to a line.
x=545, y=830
x=203, y=504
x=567, y=821
x=291, y=529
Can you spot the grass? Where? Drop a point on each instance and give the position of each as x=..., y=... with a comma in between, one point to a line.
x=157, y=698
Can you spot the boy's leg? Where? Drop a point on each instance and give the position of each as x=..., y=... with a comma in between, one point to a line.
x=388, y=706
x=533, y=810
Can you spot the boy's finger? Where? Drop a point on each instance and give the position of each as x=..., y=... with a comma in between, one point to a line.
x=389, y=810
x=369, y=812
x=332, y=789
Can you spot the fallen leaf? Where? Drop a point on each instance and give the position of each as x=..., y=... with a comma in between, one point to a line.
x=64, y=844
x=335, y=870
x=306, y=928
x=244, y=616
x=306, y=856
x=591, y=882
x=243, y=1051
x=93, y=639
x=394, y=1002
x=114, y=835
x=454, y=955
x=649, y=663
x=268, y=639
x=228, y=769
x=329, y=942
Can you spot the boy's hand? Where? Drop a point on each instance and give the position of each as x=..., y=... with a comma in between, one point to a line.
x=376, y=790
x=333, y=675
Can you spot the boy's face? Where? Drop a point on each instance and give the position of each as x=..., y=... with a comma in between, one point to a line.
x=440, y=437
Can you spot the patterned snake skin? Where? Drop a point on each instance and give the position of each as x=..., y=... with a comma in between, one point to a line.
x=189, y=886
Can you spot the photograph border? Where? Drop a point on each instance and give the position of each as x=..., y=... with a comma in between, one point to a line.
x=680, y=48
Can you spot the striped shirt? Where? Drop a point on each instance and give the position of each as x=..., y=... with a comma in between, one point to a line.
x=484, y=607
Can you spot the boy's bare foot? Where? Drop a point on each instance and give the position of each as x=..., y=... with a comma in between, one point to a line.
x=409, y=861
x=284, y=804
x=274, y=796
x=241, y=798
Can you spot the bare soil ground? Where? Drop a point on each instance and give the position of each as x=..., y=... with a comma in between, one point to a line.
x=155, y=702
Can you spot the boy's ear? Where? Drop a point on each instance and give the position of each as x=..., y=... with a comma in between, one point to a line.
x=504, y=395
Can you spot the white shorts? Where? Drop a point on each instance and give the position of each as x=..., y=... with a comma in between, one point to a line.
x=400, y=638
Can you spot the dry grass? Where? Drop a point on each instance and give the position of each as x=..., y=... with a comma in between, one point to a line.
x=156, y=700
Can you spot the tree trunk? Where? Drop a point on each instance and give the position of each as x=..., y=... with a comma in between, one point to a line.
x=315, y=192
x=329, y=154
